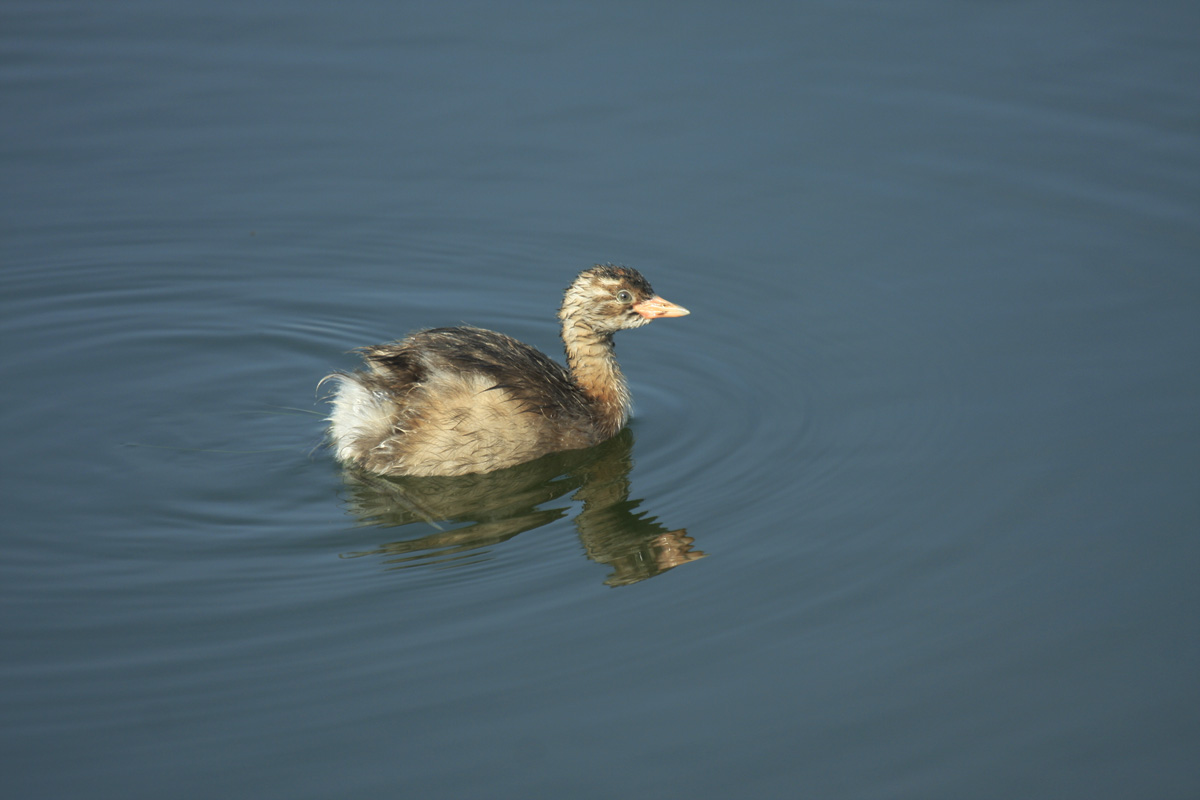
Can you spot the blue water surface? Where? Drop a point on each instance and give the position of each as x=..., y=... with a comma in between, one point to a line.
x=909, y=506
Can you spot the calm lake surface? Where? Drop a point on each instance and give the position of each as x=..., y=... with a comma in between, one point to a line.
x=910, y=505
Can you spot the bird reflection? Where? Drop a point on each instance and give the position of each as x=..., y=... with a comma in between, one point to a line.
x=499, y=505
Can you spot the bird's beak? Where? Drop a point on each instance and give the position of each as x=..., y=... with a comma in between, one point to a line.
x=656, y=307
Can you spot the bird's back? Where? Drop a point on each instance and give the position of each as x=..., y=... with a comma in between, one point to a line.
x=451, y=401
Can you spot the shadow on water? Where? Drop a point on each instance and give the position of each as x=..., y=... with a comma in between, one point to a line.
x=499, y=505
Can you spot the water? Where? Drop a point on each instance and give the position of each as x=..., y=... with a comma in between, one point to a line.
x=909, y=507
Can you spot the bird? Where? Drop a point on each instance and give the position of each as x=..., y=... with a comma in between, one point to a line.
x=464, y=400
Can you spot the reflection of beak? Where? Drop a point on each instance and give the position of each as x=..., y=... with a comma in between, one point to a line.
x=674, y=548
x=656, y=307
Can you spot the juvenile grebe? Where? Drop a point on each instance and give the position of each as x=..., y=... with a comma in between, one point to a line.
x=453, y=401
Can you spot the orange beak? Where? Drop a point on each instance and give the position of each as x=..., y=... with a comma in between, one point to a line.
x=656, y=307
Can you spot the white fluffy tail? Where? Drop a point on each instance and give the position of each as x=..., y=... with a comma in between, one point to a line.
x=360, y=418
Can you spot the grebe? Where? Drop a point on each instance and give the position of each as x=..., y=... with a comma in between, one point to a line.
x=454, y=401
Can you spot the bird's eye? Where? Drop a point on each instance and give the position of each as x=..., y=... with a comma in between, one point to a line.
x=624, y=296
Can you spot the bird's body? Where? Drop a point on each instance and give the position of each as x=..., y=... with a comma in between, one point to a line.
x=453, y=401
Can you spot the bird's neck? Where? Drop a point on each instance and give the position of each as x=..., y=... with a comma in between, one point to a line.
x=593, y=364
